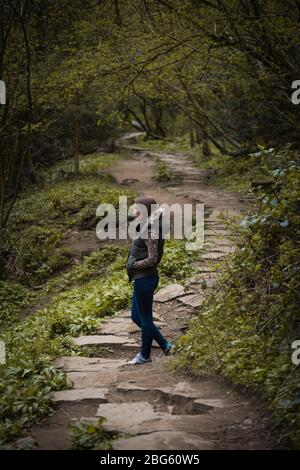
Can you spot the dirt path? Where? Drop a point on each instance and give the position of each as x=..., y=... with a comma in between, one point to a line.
x=165, y=410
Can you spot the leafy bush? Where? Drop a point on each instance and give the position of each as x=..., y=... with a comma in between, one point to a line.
x=93, y=265
x=176, y=262
x=41, y=217
x=27, y=380
x=163, y=172
x=91, y=435
x=14, y=299
x=89, y=165
x=246, y=328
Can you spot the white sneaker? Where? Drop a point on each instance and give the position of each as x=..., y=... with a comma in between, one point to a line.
x=139, y=359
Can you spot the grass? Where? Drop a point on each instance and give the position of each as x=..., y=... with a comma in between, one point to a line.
x=44, y=213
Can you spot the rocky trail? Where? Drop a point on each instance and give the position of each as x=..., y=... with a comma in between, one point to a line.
x=161, y=409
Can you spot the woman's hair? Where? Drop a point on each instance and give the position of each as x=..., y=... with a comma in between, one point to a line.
x=147, y=202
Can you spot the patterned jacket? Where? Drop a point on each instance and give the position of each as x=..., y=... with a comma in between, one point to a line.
x=146, y=252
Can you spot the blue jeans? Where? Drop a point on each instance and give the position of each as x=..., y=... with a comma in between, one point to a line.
x=141, y=313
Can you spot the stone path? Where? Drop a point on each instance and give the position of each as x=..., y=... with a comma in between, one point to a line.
x=159, y=409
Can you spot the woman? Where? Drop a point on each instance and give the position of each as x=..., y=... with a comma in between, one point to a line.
x=144, y=255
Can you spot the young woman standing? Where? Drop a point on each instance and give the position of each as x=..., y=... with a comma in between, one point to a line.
x=143, y=258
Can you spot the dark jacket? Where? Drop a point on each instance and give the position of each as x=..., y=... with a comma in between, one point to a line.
x=139, y=249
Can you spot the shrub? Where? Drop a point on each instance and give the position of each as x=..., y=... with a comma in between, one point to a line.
x=246, y=328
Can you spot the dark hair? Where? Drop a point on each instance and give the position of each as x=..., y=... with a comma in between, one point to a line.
x=148, y=202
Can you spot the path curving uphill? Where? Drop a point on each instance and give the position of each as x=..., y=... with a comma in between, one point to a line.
x=160, y=408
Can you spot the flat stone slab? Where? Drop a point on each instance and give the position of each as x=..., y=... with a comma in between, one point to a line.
x=215, y=231
x=139, y=417
x=222, y=248
x=122, y=416
x=212, y=403
x=181, y=390
x=122, y=329
x=209, y=282
x=215, y=240
x=115, y=328
x=168, y=293
x=133, y=328
x=162, y=440
x=194, y=300
x=88, y=364
x=136, y=329
x=104, y=340
x=124, y=314
x=114, y=320
x=213, y=255
x=157, y=318
x=206, y=269
x=127, y=315
x=93, y=379
x=82, y=394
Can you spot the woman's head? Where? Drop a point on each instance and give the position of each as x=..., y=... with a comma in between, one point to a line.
x=149, y=203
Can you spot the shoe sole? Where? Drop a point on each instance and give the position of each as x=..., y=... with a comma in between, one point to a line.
x=139, y=363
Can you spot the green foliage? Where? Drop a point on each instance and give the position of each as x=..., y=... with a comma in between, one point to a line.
x=91, y=435
x=93, y=265
x=163, y=173
x=102, y=289
x=176, y=262
x=246, y=327
x=227, y=84
x=27, y=380
x=229, y=172
x=78, y=310
x=41, y=217
x=25, y=389
x=225, y=81
x=178, y=144
x=14, y=299
x=94, y=164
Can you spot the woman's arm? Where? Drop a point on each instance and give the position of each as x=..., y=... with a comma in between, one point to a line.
x=151, y=260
